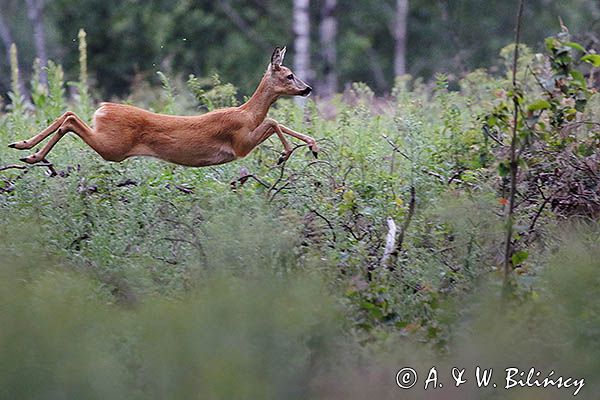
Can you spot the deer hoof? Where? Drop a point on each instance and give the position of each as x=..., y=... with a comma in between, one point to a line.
x=284, y=157
x=30, y=160
x=19, y=145
x=313, y=147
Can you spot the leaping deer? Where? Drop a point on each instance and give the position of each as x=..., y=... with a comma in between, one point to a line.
x=121, y=131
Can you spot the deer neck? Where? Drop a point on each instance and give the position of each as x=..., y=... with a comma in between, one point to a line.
x=258, y=105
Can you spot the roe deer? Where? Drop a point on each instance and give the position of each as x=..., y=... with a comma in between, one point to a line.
x=121, y=131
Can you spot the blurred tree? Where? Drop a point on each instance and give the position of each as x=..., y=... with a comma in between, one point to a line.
x=328, y=32
x=5, y=35
x=129, y=40
x=14, y=28
x=400, y=37
x=35, y=13
x=7, y=41
x=301, y=26
x=242, y=25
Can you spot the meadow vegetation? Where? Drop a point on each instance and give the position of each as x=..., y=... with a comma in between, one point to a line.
x=144, y=279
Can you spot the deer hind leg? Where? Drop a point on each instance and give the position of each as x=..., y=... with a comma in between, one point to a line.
x=312, y=143
x=72, y=123
x=28, y=144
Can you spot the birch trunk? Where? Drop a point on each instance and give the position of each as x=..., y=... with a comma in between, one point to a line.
x=400, y=37
x=8, y=40
x=301, y=21
x=35, y=13
x=328, y=33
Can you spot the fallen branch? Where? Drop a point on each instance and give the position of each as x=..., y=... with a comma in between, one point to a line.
x=184, y=189
x=21, y=166
x=394, y=243
x=390, y=243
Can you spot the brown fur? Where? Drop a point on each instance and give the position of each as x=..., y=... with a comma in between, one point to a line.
x=121, y=131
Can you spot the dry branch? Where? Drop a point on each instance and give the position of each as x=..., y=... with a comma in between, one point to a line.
x=394, y=243
x=390, y=243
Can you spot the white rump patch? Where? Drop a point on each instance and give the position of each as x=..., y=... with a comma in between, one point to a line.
x=100, y=112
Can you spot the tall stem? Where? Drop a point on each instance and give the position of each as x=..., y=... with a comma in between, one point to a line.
x=514, y=162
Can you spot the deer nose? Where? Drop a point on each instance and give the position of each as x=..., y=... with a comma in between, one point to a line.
x=306, y=91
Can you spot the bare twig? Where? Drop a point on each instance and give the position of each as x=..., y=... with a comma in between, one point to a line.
x=395, y=148
x=489, y=134
x=278, y=190
x=241, y=180
x=329, y=224
x=184, y=189
x=408, y=219
x=13, y=166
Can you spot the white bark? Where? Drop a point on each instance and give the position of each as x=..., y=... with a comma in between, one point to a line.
x=35, y=13
x=5, y=35
x=400, y=37
x=328, y=33
x=390, y=242
x=7, y=40
x=301, y=21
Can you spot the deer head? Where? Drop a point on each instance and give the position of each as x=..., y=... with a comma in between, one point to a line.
x=284, y=81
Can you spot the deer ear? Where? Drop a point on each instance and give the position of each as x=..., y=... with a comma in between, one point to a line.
x=277, y=58
x=282, y=54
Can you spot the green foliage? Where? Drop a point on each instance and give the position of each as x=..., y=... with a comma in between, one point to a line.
x=211, y=94
x=62, y=336
x=156, y=277
x=169, y=93
x=552, y=127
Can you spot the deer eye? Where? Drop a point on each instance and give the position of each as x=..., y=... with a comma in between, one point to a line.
x=290, y=76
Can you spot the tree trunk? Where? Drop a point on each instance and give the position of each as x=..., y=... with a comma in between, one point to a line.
x=35, y=13
x=328, y=33
x=301, y=27
x=400, y=37
x=8, y=40
x=5, y=35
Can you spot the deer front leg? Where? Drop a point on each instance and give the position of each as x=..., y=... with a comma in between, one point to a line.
x=312, y=143
x=287, y=152
x=269, y=126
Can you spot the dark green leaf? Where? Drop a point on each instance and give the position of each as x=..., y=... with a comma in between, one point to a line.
x=578, y=76
x=539, y=105
x=503, y=169
x=575, y=46
x=593, y=59
x=519, y=257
